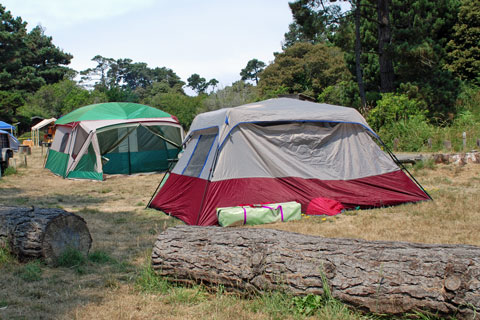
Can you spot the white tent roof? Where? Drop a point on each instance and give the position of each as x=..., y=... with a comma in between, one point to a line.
x=43, y=123
x=275, y=110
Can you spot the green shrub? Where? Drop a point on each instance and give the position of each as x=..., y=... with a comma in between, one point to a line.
x=308, y=305
x=412, y=133
x=5, y=256
x=71, y=258
x=392, y=108
x=30, y=271
x=148, y=281
x=424, y=164
x=276, y=304
x=343, y=93
x=10, y=171
x=100, y=257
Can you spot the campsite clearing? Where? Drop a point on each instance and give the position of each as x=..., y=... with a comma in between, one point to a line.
x=115, y=282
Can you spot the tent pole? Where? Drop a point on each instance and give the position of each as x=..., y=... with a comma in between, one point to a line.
x=169, y=169
x=395, y=159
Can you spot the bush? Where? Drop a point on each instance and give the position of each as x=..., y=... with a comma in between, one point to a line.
x=343, y=93
x=148, y=281
x=5, y=256
x=30, y=272
x=412, y=133
x=392, y=108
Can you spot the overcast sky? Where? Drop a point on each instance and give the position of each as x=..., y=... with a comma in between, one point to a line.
x=214, y=38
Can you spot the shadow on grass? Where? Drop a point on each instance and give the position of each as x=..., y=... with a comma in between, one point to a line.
x=15, y=197
x=122, y=244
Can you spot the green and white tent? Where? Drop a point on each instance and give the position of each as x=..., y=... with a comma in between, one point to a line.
x=114, y=138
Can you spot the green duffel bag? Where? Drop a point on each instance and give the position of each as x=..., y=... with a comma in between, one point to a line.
x=258, y=214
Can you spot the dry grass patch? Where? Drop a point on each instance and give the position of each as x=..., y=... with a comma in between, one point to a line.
x=108, y=285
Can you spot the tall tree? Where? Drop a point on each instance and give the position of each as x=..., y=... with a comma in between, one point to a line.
x=125, y=80
x=384, y=40
x=28, y=60
x=252, y=70
x=304, y=68
x=464, y=48
x=199, y=84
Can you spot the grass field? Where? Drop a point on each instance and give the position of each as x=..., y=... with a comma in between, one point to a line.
x=115, y=281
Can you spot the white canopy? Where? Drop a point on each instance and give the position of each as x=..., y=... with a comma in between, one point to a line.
x=35, y=130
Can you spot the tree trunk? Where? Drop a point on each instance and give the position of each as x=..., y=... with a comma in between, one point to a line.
x=379, y=276
x=42, y=233
x=358, y=52
x=384, y=38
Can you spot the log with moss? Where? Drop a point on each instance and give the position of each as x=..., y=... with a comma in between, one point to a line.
x=377, y=276
x=32, y=233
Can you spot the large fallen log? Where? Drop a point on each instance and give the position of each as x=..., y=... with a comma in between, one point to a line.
x=379, y=276
x=42, y=233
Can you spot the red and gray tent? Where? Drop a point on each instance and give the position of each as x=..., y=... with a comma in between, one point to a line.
x=281, y=150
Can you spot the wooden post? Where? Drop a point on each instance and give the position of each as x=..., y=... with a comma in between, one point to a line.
x=464, y=137
x=429, y=142
x=25, y=160
x=447, y=144
x=395, y=144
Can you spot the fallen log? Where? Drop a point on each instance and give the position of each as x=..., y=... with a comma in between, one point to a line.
x=32, y=233
x=378, y=276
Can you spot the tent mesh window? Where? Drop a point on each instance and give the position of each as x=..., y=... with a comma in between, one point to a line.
x=80, y=139
x=4, y=141
x=200, y=154
x=135, y=149
x=63, y=145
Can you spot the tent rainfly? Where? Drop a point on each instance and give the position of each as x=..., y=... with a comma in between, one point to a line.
x=12, y=142
x=113, y=138
x=35, y=130
x=6, y=127
x=281, y=150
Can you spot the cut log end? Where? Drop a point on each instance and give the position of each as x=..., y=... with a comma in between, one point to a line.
x=65, y=232
x=35, y=233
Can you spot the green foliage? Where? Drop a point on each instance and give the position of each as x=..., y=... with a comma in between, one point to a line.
x=126, y=75
x=311, y=22
x=277, y=305
x=5, y=256
x=185, y=108
x=31, y=271
x=469, y=100
x=148, y=281
x=100, y=257
x=308, y=305
x=343, y=93
x=57, y=99
x=412, y=133
x=10, y=171
x=199, y=84
x=231, y=96
x=393, y=108
x=252, y=70
x=304, y=68
x=28, y=60
x=71, y=258
x=464, y=48
x=424, y=164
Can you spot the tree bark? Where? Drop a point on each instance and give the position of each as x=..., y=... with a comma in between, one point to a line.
x=378, y=276
x=358, y=52
x=384, y=38
x=32, y=233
